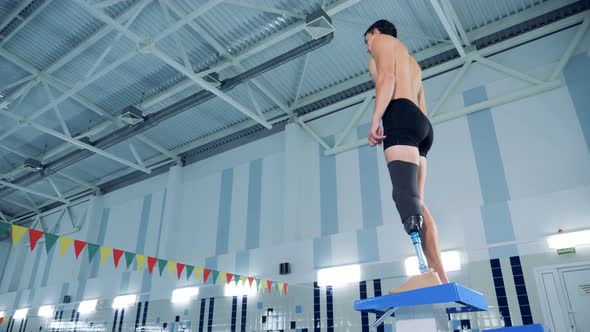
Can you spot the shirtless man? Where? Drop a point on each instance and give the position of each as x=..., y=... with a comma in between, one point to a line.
x=407, y=136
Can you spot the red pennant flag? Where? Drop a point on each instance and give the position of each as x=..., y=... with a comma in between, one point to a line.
x=34, y=236
x=78, y=247
x=229, y=277
x=1, y=320
x=206, y=274
x=250, y=280
x=179, y=268
x=269, y=283
x=117, y=256
x=151, y=262
x=286, y=288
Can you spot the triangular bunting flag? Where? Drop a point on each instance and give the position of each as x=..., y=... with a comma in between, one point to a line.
x=189, y=271
x=151, y=262
x=275, y=287
x=4, y=227
x=286, y=288
x=50, y=240
x=129, y=257
x=117, y=254
x=161, y=265
x=215, y=275
x=236, y=279
x=17, y=233
x=1, y=318
x=269, y=282
x=198, y=271
x=92, y=250
x=34, y=236
x=229, y=277
x=258, y=283
x=223, y=277
x=281, y=288
x=250, y=280
x=105, y=252
x=179, y=268
x=243, y=279
x=140, y=261
x=171, y=266
x=78, y=247
x=206, y=274
x=64, y=244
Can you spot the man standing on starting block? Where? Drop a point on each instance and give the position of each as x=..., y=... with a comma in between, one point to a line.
x=407, y=136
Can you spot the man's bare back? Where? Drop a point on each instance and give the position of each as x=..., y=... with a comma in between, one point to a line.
x=407, y=73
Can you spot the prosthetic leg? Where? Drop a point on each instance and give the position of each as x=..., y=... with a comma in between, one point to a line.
x=428, y=277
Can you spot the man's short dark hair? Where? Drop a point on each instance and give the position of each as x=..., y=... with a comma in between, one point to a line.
x=384, y=26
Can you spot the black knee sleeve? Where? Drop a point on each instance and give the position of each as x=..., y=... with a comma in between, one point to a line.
x=404, y=179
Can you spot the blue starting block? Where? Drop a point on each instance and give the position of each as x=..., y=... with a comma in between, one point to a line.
x=424, y=309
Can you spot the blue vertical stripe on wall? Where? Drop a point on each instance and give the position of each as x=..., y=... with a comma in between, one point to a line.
x=500, y=290
x=211, y=309
x=202, y=315
x=328, y=192
x=7, y=248
x=377, y=292
x=225, y=198
x=35, y=268
x=145, y=312
x=121, y=320
x=495, y=212
x=367, y=243
x=369, y=180
x=254, y=205
x=19, y=255
x=576, y=74
x=211, y=262
x=243, y=262
x=234, y=313
x=143, y=223
x=161, y=222
x=102, y=233
x=244, y=313
x=125, y=279
x=316, y=308
x=50, y=255
x=521, y=292
x=137, y=315
x=330, y=308
x=322, y=252
x=81, y=289
x=364, y=314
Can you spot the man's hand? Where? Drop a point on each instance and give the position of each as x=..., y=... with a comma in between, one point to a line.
x=375, y=134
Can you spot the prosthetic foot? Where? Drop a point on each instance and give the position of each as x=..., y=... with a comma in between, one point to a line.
x=428, y=277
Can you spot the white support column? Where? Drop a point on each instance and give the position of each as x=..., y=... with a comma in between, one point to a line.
x=174, y=194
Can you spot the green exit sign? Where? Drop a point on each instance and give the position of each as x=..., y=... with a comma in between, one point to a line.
x=563, y=251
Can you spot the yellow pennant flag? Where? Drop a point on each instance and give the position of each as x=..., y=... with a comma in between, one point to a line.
x=105, y=252
x=262, y=285
x=243, y=280
x=281, y=287
x=198, y=271
x=17, y=233
x=223, y=277
x=64, y=244
x=171, y=267
x=140, y=261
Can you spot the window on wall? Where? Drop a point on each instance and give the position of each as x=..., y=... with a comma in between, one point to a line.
x=21, y=313
x=339, y=275
x=124, y=301
x=184, y=294
x=87, y=306
x=46, y=311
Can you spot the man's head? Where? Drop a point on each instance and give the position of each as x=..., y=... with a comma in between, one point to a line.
x=381, y=27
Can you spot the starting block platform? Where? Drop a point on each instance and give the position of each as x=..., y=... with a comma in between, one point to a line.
x=424, y=309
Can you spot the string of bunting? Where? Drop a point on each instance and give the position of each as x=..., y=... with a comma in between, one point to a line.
x=18, y=232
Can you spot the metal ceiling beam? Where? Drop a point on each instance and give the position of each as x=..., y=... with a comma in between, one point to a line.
x=31, y=191
x=268, y=9
x=452, y=15
x=77, y=180
x=14, y=13
x=173, y=63
x=448, y=27
x=12, y=33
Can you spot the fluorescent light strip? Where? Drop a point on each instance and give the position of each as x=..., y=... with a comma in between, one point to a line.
x=340, y=275
x=568, y=240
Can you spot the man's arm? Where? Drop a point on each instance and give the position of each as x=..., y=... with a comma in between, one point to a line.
x=382, y=52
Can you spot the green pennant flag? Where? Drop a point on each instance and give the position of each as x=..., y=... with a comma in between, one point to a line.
x=50, y=240
x=4, y=227
x=161, y=265
x=189, y=271
x=258, y=284
x=215, y=275
x=129, y=257
x=237, y=278
x=92, y=250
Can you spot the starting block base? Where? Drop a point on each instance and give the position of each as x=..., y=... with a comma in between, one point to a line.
x=424, y=309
